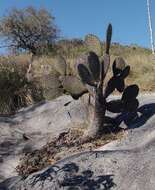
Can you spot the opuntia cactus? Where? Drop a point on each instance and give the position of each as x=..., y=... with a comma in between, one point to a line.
x=73, y=86
x=127, y=103
x=120, y=72
x=92, y=70
x=60, y=65
x=70, y=84
x=93, y=44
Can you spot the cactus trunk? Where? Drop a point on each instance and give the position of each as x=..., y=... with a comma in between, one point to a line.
x=99, y=116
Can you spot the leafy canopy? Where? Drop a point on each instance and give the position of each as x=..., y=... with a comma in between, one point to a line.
x=29, y=29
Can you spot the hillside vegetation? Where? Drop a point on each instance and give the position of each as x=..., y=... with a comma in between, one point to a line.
x=16, y=91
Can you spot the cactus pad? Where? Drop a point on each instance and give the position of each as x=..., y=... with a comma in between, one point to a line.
x=60, y=65
x=94, y=65
x=125, y=72
x=118, y=66
x=120, y=72
x=131, y=92
x=85, y=75
x=119, y=85
x=131, y=105
x=110, y=87
x=93, y=44
x=108, y=38
x=51, y=85
x=129, y=98
x=73, y=86
x=115, y=106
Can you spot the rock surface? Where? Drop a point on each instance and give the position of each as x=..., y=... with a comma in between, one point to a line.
x=33, y=127
x=125, y=164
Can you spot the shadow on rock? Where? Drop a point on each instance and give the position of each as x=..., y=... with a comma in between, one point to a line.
x=70, y=177
x=136, y=119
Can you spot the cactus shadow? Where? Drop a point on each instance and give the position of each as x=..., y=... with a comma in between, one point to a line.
x=70, y=177
x=136, y=119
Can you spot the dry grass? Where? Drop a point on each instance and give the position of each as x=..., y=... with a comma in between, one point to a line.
x=141, y=61
x=142, y=64
x=142, y=71
x=15, y=90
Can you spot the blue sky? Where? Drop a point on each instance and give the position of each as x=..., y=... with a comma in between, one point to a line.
x=76, y=18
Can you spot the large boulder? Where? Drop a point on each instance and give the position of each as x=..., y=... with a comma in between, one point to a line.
x=34, y=126
x=124, y=164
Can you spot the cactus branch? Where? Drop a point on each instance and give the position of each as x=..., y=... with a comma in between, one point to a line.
x=108, y=38
x=94, y=65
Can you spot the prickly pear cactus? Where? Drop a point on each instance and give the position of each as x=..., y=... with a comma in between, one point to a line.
x=129, y=98
x=108, y=38
x=73, y=86
x=51, y=85
x=90, y=74
x=117, y=81
x=92, y=70
x=128, y=101
x=119, y=63
x=60, y=65
x=65, y=83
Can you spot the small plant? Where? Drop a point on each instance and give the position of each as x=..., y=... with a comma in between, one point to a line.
x=92, y=69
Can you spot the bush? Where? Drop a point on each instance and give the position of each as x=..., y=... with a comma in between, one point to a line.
x=15, y=91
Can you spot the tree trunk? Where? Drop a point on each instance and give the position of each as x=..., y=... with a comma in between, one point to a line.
x=99, y=115
x=29, y=74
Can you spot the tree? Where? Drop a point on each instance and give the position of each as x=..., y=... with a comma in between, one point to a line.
x=29, y=29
